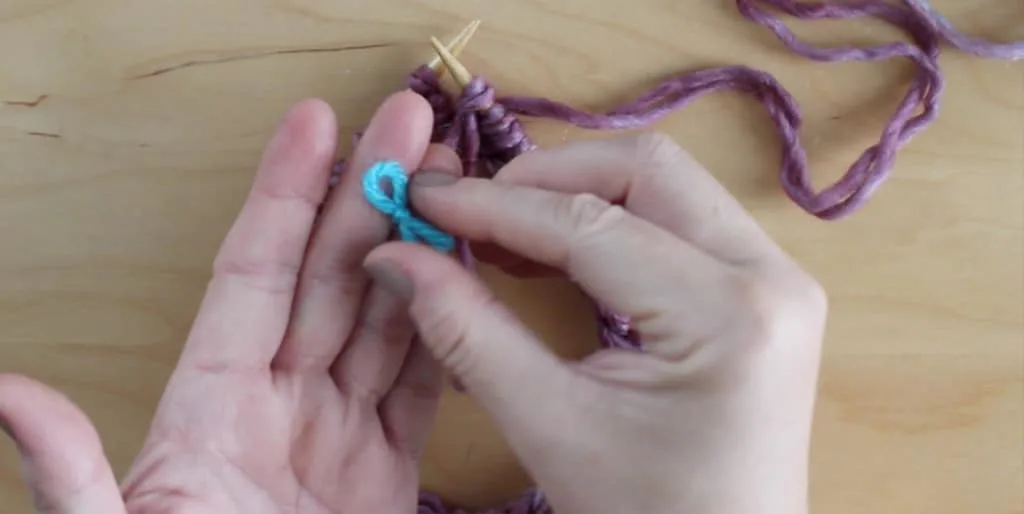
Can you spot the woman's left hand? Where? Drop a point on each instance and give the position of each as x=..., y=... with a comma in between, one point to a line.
x=299, y=388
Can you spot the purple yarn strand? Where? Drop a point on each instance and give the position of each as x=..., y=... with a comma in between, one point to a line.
x=485, y=130
x=982, y=48
x=867, y=173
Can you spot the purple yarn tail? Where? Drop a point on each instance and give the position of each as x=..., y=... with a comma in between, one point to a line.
x=937, y=23
x=531, y=502
x=864, y=176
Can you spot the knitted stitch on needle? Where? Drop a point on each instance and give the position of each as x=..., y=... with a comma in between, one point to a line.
x=485, y=131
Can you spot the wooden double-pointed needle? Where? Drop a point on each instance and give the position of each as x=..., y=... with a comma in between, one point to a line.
x=456, y=68
x=454, y=47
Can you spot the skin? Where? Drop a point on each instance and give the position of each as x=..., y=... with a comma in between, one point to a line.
x=302, y=389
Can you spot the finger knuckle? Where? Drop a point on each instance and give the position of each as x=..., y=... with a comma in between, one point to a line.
x=810, y=294
x=450, y=331
x=300, y=196
x=347, y=280
x=758, y=302
x=445, y=330
x=265, y=275
x=656, y=148
x=768, y=306
x=387, y=326
x=588, y=213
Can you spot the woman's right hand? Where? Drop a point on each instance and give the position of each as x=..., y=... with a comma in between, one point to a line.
x=714, y=416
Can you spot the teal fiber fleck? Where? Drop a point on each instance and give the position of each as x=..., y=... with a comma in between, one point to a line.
x=396, y=206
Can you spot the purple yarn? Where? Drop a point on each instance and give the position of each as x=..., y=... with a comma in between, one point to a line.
x=485, y=130
x=939, y=24
x=532, y=502
x=864, y=176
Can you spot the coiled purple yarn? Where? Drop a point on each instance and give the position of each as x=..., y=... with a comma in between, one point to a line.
x=485, y=131
x=532, y=502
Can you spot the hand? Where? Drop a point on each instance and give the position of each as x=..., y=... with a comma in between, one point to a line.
x=714, y=416
x=298, y=389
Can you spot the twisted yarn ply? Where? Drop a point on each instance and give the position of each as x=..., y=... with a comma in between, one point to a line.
x=980, y=47
x=485, y=130
x=395, y=204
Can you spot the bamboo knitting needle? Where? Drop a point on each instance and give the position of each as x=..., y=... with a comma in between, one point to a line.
x=454, y=47
x=458, y=71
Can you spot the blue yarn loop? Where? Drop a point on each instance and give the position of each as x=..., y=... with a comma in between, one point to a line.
x=396, y=206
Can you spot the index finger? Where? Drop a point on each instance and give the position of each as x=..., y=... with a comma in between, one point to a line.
x=626, y=263
x=655, y=179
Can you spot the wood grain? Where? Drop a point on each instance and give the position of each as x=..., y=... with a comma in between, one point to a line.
x=129, y=131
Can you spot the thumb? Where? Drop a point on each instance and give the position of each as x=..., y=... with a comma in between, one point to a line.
x=61, y=455
x=477, y=338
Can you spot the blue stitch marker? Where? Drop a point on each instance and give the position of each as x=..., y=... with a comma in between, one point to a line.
x=396, y=206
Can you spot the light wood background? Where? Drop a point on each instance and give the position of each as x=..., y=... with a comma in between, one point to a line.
x=129, y=130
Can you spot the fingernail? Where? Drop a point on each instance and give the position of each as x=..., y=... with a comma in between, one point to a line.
x=391, y=279
x=432, y=178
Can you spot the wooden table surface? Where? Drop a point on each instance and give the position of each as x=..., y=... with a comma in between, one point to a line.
x=129, y=131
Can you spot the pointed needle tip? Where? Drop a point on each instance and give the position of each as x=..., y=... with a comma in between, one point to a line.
x=458, y=71
x=455, y=46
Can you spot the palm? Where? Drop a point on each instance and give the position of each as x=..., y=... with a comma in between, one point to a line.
x=294, y=444
x=299, y=389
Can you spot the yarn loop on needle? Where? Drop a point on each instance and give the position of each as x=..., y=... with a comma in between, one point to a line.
x=396, y=206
